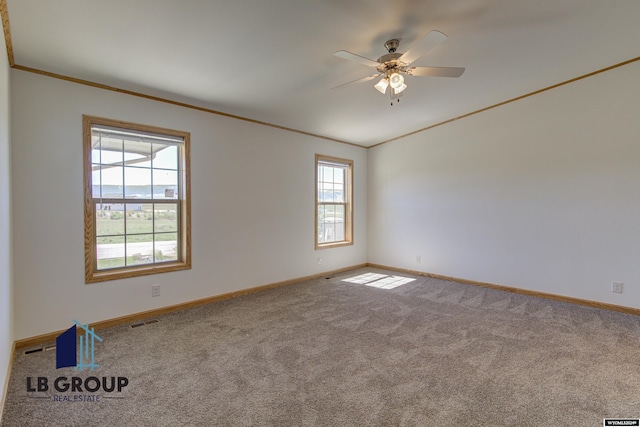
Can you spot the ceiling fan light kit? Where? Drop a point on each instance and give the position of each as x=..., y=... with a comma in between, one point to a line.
x=396, y=80
x=398, y=90
x=382, y=85
x=394, y=66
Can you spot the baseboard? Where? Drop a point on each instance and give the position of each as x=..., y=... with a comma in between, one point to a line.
x=5, y=389
x=130, y=318
x=51, y=336
x=572, y=300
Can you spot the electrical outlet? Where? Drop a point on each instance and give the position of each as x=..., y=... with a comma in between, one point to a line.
x=319, y=261
x=616, y=287
x=418, y=259
x=155, y=290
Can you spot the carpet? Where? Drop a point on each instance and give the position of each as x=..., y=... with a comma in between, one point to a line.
x=327, y=352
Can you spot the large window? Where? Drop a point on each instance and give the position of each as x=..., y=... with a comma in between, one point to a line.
x=137, y=207
x=334, y=195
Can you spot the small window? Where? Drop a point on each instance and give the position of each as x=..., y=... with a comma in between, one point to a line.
x=334, y=196
x=137, y=207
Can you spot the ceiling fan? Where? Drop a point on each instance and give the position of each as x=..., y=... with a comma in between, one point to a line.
x=393, y=66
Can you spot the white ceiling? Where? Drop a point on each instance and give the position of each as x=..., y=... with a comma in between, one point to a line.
x=271, y=60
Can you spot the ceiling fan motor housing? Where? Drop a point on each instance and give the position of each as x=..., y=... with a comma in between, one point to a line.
x=392, y=45
x=389, y=63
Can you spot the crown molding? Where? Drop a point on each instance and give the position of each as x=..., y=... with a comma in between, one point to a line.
x=517, y=98
x=4, y=14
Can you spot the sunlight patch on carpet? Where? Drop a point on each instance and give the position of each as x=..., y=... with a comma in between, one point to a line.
x=377, y=280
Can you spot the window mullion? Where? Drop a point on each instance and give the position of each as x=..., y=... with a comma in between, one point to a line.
x=109, y=245
x=333, y=223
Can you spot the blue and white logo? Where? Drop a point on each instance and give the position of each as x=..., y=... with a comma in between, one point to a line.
x=68, y=352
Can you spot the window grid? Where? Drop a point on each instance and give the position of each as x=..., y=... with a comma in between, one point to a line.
x=333, y=202
x=153, y=232
x=130, y=229
x=130, y=253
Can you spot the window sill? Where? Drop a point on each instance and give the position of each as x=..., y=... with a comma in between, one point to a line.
x=129, y=272
x=333, y=245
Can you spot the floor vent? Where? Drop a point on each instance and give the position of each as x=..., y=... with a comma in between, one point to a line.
x=40, y=350
x=148, y=322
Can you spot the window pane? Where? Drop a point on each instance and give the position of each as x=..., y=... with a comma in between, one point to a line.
x=328, y=211
x=109, y=157
x=165, y=217
x=137, y=153
x=110, y=252
x=95, y=156
x=339, y=212
x=325, y=192
x=137, y=183
x=112, y=183
x=331, y=174
x=96, y=183
x=109, y=219
x=139, y=218
x=338, y=193
x=331, y=225
x=326, y=173
x=140, y=249
x=166, y=247
x=106, y=150
x=165, y=184
x=331, y=184
x=166, y=156
x=325, y=228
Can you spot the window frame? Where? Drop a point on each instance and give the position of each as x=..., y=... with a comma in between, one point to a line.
x=348, y=201
x=92, y=274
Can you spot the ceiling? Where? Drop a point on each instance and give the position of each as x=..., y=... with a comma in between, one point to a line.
x=272, y=60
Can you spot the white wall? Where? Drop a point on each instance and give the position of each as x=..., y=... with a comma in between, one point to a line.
x=541, y=194
x=252, y=206
x=6, y=304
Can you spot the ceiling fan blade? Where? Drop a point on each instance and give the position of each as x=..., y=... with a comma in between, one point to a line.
x=357, y=58
x=436, y=71
x=428, y=42
x=362, y=80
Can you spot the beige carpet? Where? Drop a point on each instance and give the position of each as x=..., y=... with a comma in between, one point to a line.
x=332, y=353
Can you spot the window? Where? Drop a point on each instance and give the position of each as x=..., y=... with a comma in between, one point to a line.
x=136, y=200
x=334, y=212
